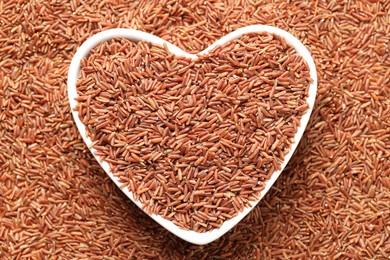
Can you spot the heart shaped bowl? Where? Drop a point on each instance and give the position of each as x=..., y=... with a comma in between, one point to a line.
x=135, y=35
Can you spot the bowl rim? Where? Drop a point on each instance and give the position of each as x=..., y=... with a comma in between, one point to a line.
x=136, y=35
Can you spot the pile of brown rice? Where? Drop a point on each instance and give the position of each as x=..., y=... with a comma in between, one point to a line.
x=331, y=202
x=194, y=141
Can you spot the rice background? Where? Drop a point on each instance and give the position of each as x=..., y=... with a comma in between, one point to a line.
x=333, y=201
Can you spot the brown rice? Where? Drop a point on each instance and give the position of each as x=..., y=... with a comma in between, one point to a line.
x=194, y=141
x=331, y=202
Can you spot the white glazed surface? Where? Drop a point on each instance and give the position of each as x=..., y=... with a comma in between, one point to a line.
x=135, y=35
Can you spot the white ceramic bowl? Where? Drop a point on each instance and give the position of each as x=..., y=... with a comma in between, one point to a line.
x=135, y=35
